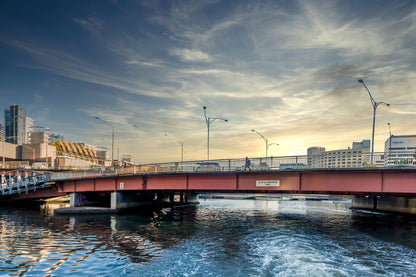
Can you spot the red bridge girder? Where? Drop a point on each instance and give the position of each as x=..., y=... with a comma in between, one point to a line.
x=395, y=182
x=351, y=182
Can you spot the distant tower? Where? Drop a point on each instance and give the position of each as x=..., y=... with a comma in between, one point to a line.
x=15, y=119
x=2, y=132
x=29, y=129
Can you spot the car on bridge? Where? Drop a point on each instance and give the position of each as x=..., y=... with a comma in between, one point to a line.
x=39, y=165
x=208, y=166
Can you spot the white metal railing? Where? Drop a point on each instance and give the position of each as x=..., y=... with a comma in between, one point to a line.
x=340, y=159
x=19, y=181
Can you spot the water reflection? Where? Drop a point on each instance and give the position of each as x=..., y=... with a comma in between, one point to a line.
x=221, y=237
x=400, y=229
x=31, y=236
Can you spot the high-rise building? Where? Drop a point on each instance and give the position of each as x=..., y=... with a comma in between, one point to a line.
x=316, y=157
x=363, y=145
x=29, y=129
x=39, y=137
x=355, y=157
x=15, y=119
x=400, y=150
x=2, y=132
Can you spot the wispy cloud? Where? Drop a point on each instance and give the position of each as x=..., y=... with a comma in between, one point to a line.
x=190, y=55
x=149, y=64
x=64, y=64
x=91, y=23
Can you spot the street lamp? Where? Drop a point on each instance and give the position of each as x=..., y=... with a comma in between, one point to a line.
x=209, y=120
x=112, y=138
x=375, y=105
x=389, y=161
x=265, y=140
x=181, y=144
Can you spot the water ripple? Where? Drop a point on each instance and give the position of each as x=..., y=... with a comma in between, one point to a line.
x=216, y=238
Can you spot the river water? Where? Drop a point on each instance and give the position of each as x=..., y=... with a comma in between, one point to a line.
x=215, y=238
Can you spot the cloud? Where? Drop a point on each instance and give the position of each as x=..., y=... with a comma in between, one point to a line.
x=190, y=55
x=91, y=23
x=142, y=63
x=67, y=65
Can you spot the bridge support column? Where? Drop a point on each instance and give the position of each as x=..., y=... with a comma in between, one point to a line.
x=365, y=202
x=192, y=198
x=120, y=200
x=164, y=198
x=77, y=199
x=394, y=204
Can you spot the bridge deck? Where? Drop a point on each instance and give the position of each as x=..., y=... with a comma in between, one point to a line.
x=368, y=181
x=333, y=181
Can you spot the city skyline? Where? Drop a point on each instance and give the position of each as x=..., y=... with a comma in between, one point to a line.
x=288, y=70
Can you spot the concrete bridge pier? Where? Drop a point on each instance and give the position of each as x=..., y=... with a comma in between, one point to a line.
x=77, y=199
x=164, y=198
x=395, y=204
x=192, y=198
x=83, y=199
x=123, y=200
x=181, y=198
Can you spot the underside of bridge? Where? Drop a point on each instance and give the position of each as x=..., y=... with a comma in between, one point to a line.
x=130, y=199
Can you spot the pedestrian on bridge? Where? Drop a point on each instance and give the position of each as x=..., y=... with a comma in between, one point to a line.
x=247, y=166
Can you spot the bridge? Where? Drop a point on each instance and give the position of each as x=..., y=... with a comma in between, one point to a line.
x=378, y=188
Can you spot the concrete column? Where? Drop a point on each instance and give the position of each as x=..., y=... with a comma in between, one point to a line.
x=366, y=202
x=77, y=199
x=121, y=200
x=193, y=198
x=406, y=205
x=395, y=204
x=165, y=198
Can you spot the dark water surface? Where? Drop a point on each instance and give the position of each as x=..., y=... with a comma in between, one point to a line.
x=215, y=238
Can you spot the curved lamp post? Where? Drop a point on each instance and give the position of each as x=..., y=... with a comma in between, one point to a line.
x=181, y=144
x=390, y=137
x=209, y=120
x=265, y=140
x=112, y=137
x=375, y=105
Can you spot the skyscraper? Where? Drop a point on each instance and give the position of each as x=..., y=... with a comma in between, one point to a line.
x=29, y=129
x=15, y=119
x=2, y=132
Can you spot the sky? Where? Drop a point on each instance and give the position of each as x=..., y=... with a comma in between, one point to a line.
x=287, y=69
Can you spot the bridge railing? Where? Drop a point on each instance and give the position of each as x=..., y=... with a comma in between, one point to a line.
x=18, y=181
x=335, y=159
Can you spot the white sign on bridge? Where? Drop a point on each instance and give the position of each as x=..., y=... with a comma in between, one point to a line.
x=267, y=183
